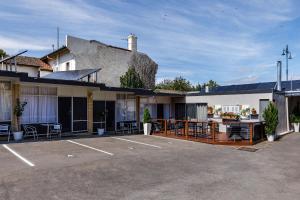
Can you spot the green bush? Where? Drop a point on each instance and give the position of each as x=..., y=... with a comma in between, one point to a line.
x=270, y=116
x=147, y=116
x=294, y=118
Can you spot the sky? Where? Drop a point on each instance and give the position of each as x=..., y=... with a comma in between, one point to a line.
x=229, y=41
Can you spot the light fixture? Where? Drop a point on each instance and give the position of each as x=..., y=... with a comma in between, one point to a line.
x=283, y=53
x=290, y=56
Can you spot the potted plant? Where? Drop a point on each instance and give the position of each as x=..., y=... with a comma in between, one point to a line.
x=253, y=111
x=295, y=120
x=147, y=122
x=270, y=116
x=18, y=112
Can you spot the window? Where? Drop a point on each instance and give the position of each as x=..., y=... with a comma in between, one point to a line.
x=41, y=105
x=125, y=106
x=231, y=109
x=5, y=101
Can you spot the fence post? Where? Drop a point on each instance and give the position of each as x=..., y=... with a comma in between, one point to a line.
x=165, y=121
x=251, y=133
x=186, y=129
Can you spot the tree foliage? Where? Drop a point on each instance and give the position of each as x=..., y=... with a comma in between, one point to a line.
x=131, y=79
x=145, y=67
x=181, y=84
x=270, y=116
x=3, y=53
x=211, y=84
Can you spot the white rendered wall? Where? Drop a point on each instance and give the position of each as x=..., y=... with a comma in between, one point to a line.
x=234, y=99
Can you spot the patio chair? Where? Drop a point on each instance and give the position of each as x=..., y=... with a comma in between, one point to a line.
x=179, y=128
x=55, y=129
x=134, y=127
x=156, y=127
x=122, y=128
x=30, y=131
x=5, y=130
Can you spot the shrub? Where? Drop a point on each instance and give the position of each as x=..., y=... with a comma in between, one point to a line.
x=147, y=116
x=270, y=116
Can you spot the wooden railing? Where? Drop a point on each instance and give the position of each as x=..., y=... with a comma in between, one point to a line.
x=229, y=132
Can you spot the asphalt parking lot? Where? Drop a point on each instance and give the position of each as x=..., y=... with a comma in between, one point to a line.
x=148, y=167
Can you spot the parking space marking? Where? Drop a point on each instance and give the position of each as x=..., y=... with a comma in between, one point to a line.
x=18, y=156
x=83, y=145
x=151, y=145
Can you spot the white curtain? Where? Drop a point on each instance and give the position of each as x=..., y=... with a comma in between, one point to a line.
x=41, y=105
x=166, y=111
x=5, y=101
x=126, y=108
x=201, y=112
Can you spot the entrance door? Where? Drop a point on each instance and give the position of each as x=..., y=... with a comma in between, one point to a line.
x=263, y=103
x=98, y=115
x=110, y=116
x=160, y=111
x=65, y=113
x=79, y=114
x=180, y=111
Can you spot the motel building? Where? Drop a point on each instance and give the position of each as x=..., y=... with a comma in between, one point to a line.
x=82, y=106
x=59, y=90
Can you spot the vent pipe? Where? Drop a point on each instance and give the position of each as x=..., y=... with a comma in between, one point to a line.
x=206, y=89
x=279, y=75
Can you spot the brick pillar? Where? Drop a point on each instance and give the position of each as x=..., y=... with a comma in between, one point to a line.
x=90, y=111
x=15, y=95
x=137, y=105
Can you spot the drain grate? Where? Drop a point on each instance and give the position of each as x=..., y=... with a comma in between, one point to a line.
x=249, y=149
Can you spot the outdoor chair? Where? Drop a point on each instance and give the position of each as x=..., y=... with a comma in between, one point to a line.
x=5, y=130
x=179, y=128
x=55, y=129
x=134, y=127
x=30, y=131
x=122, y=128
x=156, y=127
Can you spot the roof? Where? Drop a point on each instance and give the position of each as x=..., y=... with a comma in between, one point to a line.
x=23, y=77
x=30, y=62
x=265, y=87
x=115, y=47
x=53, y=53
x=71, y=75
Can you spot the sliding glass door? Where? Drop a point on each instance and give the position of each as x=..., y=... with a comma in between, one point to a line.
x=65, y=113
x=79, y=114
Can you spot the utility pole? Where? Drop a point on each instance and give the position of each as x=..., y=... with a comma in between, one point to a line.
x=288, y=55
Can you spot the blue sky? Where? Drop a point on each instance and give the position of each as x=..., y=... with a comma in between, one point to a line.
x=227, y=41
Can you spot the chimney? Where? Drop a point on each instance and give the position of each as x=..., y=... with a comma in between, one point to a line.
x=279, y=75
x=132, y=42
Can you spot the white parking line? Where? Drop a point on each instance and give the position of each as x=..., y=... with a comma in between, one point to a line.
x=151, y=145
x=83, y=145
x=19, y=156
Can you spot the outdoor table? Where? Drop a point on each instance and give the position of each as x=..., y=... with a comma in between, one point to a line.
x=48, y=127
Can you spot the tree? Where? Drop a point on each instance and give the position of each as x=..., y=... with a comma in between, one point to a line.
x=179, y=83
x=131, y=79
x=145, y=67
x=211, y=84
x=2, y=53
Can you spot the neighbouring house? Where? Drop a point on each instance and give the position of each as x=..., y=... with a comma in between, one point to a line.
x=35, y=67
x=81, y=54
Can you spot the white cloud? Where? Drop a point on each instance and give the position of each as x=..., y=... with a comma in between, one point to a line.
x=13, y=45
